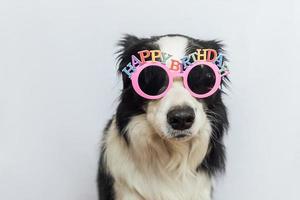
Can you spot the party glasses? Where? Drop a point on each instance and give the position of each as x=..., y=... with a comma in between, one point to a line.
x=153, y=80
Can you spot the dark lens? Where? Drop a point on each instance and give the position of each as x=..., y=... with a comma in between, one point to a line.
x=201, y=79
x=153, y=80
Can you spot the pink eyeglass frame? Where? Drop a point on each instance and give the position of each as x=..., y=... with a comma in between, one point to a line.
x=173, y=74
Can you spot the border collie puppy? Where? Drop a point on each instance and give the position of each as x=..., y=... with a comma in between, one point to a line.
x=144, y=156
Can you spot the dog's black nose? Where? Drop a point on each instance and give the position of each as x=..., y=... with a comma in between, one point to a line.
x=181, y=118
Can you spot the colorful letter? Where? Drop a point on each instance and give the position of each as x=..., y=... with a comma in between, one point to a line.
x=165, y=57
x=129, y=69
x=155, y=54
x=193, y=56
x=185, y=62
x=144, y=54
x=211, y=55
x=135, y=61
x=219, y=60
x=175, y=65
x=201, y=54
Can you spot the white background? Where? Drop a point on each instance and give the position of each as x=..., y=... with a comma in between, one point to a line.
x=58, y=87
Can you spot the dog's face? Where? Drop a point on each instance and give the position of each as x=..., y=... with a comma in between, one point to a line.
x=178, y=116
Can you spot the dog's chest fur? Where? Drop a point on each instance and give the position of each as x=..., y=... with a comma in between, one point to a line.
x=153, y=169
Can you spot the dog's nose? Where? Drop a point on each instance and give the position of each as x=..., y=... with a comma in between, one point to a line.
x=181, y=118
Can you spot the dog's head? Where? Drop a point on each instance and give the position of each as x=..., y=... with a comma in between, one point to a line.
x=178, y=116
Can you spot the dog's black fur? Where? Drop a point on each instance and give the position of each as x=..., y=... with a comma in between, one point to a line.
x=132, y=104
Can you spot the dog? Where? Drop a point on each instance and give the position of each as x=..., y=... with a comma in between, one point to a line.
x=164, y=149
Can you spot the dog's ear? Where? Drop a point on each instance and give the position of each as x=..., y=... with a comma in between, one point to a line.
x=127, y=46
x=131, y=45
x=217, y=45
x=195, y=44
x=127, y=41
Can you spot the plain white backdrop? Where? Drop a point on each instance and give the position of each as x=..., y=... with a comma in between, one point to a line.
x=58, y=87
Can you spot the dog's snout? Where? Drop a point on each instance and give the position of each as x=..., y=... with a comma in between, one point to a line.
x=181, y=118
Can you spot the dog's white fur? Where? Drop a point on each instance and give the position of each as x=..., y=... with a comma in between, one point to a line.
x=155, y=166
